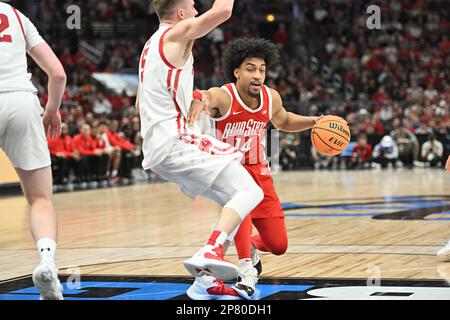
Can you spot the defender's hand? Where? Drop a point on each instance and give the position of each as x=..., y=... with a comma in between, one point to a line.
x=197, y=107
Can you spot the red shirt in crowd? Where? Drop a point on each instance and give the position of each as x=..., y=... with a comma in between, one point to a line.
x=364, y=152
x=62, y=145
x=116, y=140
x=98, y=143
x=85, y=146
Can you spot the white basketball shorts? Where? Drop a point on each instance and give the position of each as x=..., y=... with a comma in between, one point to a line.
x=22, y=134
x=195, y=161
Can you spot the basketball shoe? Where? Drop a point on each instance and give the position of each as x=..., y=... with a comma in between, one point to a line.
x=210, y=288
x=209, y=260
x=45, y=278
x=256, y=260
x=444, y=253
x=246, y=286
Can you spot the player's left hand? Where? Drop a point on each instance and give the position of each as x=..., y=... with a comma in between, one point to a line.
x=52, y=122
x=197, y=107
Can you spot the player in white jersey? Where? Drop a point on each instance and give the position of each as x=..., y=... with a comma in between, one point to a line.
x=198, y=163
x=22, y=132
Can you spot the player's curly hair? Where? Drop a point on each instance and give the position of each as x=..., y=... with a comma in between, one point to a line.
x=240, y=49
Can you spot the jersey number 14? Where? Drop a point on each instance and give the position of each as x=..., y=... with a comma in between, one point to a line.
x=244, y=147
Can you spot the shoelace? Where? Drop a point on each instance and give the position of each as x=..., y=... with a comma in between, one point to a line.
x=219, y=251
x=249, y=278
x=220, y=284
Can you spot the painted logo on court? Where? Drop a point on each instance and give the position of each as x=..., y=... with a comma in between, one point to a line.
x=174, y=288
x=434, y=207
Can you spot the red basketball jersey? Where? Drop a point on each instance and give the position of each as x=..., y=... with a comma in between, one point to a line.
x=245, y=128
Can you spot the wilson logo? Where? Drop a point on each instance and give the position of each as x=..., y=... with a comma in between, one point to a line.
x=340, y=128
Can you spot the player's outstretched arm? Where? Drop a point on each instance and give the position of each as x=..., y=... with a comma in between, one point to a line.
x=194, y=28
x=288, y=121
x=215, y=102
x=45, y=58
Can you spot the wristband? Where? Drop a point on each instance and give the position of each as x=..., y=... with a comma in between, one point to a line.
x=197, y=95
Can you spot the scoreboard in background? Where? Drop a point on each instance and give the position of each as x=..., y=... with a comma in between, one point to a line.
x=7, y=173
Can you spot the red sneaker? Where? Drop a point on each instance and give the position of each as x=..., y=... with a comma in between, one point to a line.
x=210, y=261
x=210, y=288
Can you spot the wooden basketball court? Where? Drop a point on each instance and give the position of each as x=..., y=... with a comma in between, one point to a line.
x=341, y=225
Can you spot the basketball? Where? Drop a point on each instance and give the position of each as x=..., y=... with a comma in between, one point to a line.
x=331, y=135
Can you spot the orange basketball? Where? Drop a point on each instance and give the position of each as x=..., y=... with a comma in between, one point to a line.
x=331, y=135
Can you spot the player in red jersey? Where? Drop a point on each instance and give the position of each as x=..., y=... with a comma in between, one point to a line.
x=241, y=111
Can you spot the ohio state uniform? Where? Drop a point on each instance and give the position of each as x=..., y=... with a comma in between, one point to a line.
x=245, y=128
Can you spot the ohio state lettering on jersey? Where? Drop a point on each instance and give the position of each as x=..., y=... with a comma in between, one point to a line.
x=245, y=128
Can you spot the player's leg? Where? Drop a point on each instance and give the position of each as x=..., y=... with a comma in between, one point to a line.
x=272, y=235
x=206, y=287
x=37, y=187
x=25, y=144
x=243, y=242
x=242, y=195
x=248, y=274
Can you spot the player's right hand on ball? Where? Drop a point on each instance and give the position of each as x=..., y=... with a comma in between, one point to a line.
x=52, y=122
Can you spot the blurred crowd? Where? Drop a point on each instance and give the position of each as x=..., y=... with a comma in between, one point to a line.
x=400, y=76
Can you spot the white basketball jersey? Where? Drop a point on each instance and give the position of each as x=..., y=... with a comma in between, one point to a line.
x=17, y=36
x=164, y=100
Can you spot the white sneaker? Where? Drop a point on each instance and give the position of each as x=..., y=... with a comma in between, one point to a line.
x=256, y=260
x=246, y=287
x=444, y=253
x=83, y=185
x=210, y=288
x=210, y=261
x=45, y=278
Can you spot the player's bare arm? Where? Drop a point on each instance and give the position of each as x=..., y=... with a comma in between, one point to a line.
x=215, y=102
x=137, y=98
x=447, y=165
x=43, y=55
x=179, y=39
x=288, y=121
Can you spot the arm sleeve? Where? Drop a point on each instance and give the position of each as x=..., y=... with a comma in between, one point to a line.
x=33, y=38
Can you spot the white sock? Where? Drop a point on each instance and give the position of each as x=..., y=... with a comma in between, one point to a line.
x=245, y=263
x=114, y=173
x=217, y=238
x=46, y=248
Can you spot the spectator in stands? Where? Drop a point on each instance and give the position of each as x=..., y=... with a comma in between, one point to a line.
x=90, y=158
x=386, y=152
x=116, y=139
x=114, y=152
x=406, y=141
x=289, y=152
x=415, y=93
x=100, y=165
x=361, y=154
x=101, y=105
x=432, y=151
x=61, y=152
